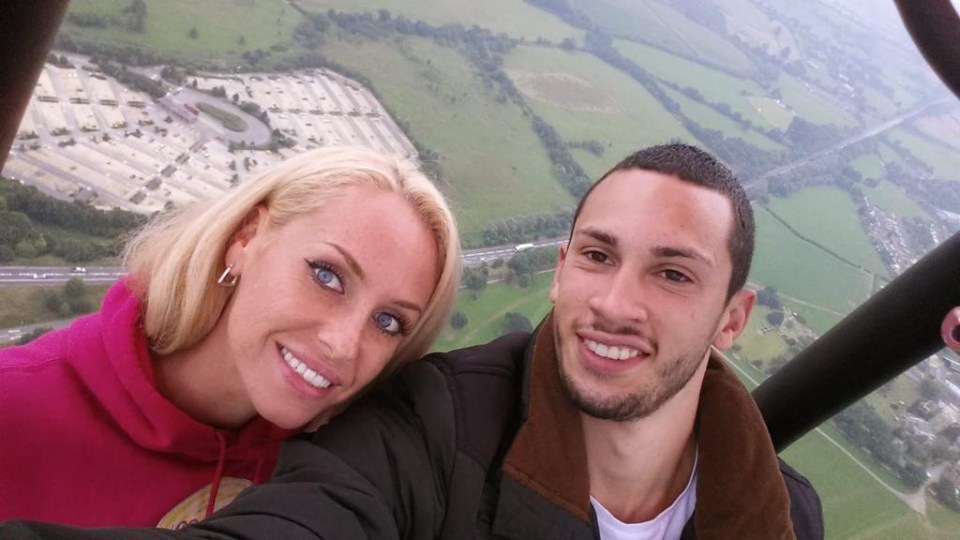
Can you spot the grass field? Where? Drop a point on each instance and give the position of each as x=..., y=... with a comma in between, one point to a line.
x=811, y=106
x=228, y=119
x=494, y=162
x=869, y=166
x=803, y=271
x=818, y=318
x=220, y=25
x=855, y=505
x=754, y=26
x=892, y=199
x=757, y=346
x=944, y=160
x=943, y=128
x=711, y=119
x=836, y=227
x=23, y=304
x=723, y=88
x=512, y=17
x=486, y=309
x=708, y=45
x=583, y=98
x=635, y=19
x=772, y=111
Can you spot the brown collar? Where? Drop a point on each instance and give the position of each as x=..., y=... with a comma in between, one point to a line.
x=740, y=492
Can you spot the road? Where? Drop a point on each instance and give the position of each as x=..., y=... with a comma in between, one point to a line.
x=879, y=128
x=58, y=275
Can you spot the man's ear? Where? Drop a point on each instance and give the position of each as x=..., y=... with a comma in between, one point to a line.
x=734, y=319
x=238, y=249
x=561, y=256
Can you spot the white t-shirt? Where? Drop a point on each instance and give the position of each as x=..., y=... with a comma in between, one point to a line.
x=666, y=526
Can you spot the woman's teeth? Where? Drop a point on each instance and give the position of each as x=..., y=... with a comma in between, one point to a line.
x=312, y=377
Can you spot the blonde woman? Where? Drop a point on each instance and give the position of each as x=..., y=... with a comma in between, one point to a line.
x=242, y=321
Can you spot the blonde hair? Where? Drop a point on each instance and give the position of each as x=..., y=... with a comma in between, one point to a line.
x=174, y=261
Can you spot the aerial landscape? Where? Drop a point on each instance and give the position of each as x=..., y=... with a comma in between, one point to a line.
x=847, y=142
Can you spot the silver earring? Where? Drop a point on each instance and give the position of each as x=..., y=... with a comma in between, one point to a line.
x=232, y=282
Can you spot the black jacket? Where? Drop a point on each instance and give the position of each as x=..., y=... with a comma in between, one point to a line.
x=444, y=451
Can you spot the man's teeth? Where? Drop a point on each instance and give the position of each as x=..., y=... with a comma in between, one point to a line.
x=613, y=353
x=312, y=377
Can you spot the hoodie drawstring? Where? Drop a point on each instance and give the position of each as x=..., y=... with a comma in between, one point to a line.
x=218, y=474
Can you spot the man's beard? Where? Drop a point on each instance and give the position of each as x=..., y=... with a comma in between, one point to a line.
x=669, y=379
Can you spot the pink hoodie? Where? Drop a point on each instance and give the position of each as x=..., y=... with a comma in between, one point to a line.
x=86, y=439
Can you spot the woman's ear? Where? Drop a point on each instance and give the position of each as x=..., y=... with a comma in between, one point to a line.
x=251, y=226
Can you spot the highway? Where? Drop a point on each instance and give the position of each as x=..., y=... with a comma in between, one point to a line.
x=58, y=275
x=54, y=275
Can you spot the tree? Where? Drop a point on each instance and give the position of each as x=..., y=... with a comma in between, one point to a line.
x=775, y=318
x=516, y=322
x=475, y=279
x=524, y=280
x=458, y=321
x=75, y=288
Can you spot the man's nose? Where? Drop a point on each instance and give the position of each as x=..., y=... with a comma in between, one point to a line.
x=620, y=299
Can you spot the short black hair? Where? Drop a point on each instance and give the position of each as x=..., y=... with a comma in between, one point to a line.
x=691, y=164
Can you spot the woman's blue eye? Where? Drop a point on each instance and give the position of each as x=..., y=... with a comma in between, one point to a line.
x=389, y=324
x=326, y=276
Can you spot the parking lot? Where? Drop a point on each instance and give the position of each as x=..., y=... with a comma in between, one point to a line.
x=86, y=136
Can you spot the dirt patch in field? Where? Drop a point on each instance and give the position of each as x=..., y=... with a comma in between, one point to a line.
x=564, y=90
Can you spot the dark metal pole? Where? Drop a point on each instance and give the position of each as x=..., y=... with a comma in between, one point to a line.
x=935, y=28
x=896, y=328
x=27, y=30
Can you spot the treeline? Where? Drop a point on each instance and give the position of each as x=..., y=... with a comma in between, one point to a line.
x=22, y=206
x=155, y=89
x=519, y=229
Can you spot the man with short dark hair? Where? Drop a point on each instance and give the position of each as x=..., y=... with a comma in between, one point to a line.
x=616, y=419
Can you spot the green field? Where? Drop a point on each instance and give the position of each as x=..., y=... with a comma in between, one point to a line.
x=512, y=17
x=757, y=346
x=23, y=304
x=657, y=23
x=944, y=160
x=708, y=45
x=485, y=311
x=855, y=505
x=818, y=318
x=754, y=26
x=723, y=88
x=837, y=227
x=711, y=119
x=869, y=166
x=811, y=106
x=803, y=271
x=220, y=25
x=583, y=98
x=495, y=164
x=892, y=199
x=884, y=106
x=634, y=19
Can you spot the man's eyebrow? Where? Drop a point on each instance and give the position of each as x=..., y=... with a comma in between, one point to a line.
x=675, y=252
x=597, y=234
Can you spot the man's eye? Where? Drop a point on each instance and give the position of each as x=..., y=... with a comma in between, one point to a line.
x=675, y=276
x=597, y=256
x=326, y=276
